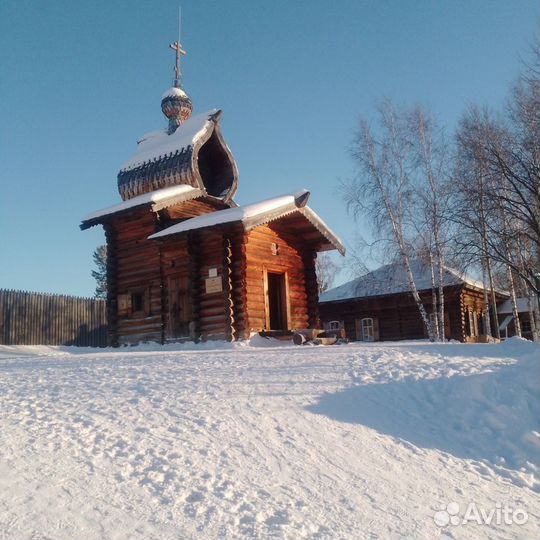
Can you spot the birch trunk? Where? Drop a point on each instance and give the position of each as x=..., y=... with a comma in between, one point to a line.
x=440, y=263
x=487, y=317
x=493, y=299
x=513, y=301
x=435, y=321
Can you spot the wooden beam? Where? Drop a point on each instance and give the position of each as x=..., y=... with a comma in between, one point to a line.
x=227, y=287
x=112, y=291
x=195, y=281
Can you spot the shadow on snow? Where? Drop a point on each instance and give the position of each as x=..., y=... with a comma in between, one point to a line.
x=488, y=416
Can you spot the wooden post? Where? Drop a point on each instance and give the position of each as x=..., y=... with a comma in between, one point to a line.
x=239, y=284
x=464, y=321
x=312, y=289
x=195, y=280
x=227, y=287
x=163, y=292
x=112, y=291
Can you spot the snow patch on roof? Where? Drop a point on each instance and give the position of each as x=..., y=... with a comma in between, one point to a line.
x=231, y=215
x=150, y=134
x=172, y=92
x=392, y=279
x=159, y=144
x=522, y=305
x=159, y=195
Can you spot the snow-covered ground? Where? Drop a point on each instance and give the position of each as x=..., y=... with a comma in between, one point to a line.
x=353, y=441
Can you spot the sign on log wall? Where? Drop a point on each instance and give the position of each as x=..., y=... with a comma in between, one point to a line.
x=213, y=285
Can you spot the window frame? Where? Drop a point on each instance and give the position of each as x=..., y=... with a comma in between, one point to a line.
x=363, y=326
x=331, y=325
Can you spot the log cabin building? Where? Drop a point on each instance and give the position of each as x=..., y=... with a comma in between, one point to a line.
x=184, y=261
x=380, y=307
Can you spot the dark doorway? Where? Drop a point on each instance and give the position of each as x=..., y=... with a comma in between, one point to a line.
x=277, y=301
x=179, y=306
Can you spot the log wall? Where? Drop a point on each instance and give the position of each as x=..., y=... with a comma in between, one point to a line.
x=136, y=267
x=289, y=259
x=213, y=315
x=398, y=316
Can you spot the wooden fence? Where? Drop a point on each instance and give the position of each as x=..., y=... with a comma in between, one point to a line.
x=28, y=318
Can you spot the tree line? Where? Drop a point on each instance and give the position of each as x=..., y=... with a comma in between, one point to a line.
x=470, y=199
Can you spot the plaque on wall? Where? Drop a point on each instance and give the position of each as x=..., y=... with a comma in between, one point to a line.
x=213, y=285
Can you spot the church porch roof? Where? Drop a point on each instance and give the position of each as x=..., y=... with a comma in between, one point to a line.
x=260, y=213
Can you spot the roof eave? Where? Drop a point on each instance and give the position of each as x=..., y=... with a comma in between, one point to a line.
x=213, y=127
x=321, y=226
x=155, y=206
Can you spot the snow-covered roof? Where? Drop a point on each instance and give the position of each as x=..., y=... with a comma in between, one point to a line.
x=159, y=144
x=158, y=199
x=392, y=279
x=253, y=215
x=195, y=154
x=522, y=305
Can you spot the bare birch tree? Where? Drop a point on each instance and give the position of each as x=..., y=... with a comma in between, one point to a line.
x=383, y=187
x=326, y=270
x=472, y=181
x=499, y=165
x=432, y=164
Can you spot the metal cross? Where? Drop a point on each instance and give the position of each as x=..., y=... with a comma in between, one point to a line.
x=177, y=46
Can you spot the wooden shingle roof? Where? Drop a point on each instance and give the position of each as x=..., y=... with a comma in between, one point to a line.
x=195, y=154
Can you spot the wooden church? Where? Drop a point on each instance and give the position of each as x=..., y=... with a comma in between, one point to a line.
x=184, y=260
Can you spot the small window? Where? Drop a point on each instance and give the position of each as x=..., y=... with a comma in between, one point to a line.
x=137, y=302
x=334, y=325
x=526, y=326
x=134, y=303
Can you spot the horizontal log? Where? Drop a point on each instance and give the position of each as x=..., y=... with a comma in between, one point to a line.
x=211, y=328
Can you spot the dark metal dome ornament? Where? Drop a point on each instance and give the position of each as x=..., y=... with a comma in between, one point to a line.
x=175, y=103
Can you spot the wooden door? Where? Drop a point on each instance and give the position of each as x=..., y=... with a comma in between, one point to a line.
x=180, y=313
x=277, y=301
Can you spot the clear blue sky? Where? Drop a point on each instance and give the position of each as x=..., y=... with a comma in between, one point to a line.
x=81, y=81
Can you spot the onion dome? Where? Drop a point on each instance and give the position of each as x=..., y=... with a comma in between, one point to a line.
x=190, y=152
x=176, y=106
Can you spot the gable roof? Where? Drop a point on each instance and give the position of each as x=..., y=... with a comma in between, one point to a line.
x=162, y=159
x=392, y=279
x=256, y=214
x=161, y=198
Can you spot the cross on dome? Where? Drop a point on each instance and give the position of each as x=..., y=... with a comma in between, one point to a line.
x=175, y=103
x=177, y=47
